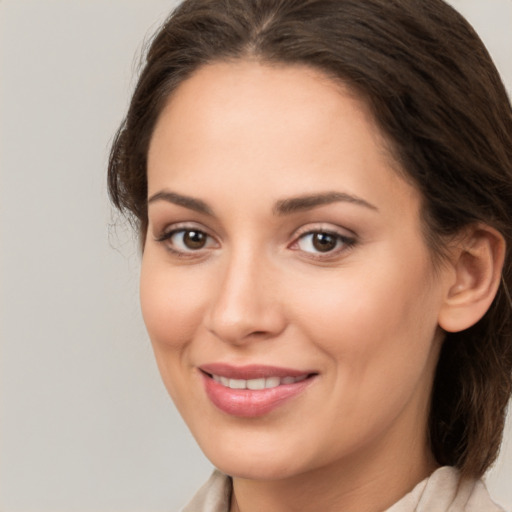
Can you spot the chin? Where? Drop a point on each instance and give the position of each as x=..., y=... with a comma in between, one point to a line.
x=257, y=459
x=248, y=457
x=255, y=468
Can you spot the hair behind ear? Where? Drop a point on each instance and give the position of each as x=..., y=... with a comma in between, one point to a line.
x=473, y=378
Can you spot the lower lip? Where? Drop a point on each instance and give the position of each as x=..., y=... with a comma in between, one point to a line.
x=247, y=403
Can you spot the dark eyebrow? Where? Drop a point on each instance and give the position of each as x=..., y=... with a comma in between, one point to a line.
x=307, y=202
x=180, y=200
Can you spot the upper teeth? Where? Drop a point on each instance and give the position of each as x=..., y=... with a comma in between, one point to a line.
x=263, y=383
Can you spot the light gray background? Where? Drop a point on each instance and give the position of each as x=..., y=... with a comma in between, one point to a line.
x=85, y=424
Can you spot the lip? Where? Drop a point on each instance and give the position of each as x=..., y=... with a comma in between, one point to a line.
x=247, y=403
x=252, y=371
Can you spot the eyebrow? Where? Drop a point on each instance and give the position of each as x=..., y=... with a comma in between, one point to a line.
x=307, y=202
x=282, y=207
x=180, y=200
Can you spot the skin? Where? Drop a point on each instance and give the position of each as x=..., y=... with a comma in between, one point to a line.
x=241, y=137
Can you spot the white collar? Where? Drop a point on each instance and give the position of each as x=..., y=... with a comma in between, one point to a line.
x=443, y=491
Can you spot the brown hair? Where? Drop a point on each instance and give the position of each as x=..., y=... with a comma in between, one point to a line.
x=435, y=93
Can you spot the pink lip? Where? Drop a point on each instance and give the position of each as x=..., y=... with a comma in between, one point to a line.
x=252, y=371
x=248, y=403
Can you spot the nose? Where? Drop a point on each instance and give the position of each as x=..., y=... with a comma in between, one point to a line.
x=246, y=305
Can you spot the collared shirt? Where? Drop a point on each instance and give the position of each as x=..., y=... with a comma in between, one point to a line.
x=443, y=491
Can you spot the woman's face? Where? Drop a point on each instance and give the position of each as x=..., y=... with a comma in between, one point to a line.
x=286, y=287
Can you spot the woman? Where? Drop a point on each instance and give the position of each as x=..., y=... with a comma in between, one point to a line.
x=323, y=191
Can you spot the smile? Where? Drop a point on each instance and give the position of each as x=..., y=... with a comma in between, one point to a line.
x=252, y=391
x=257, y=384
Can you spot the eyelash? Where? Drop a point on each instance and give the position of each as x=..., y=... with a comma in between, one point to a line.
x=166, y=238
x=343, y=242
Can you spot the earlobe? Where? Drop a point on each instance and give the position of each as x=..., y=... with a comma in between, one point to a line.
x=477, y=264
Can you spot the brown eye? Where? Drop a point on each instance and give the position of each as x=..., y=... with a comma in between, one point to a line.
x=187, y=240
x=194, y=239
x=324, y=242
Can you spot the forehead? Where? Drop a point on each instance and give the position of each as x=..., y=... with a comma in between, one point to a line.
x=294, y=96
x=284, y=129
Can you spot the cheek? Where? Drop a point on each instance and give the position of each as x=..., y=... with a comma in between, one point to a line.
x=172, y=312
x=375, y=325
x=171, y=304
x=381, y=352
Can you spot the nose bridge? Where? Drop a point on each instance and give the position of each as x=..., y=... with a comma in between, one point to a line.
x=245, y=303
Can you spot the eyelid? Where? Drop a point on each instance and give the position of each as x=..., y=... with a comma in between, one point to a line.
x=324, y=227
x=178, y=226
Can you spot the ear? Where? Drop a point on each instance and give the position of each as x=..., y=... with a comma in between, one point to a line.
x=477, y=262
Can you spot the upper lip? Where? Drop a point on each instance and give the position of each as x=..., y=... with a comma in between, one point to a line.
x=252, y=371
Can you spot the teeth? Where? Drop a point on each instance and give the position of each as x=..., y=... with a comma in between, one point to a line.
x=272, y=382
x=256, y=384
x=237, y=384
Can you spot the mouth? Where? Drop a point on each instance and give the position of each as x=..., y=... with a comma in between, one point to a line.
x=257, y=384
x=252, y=391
